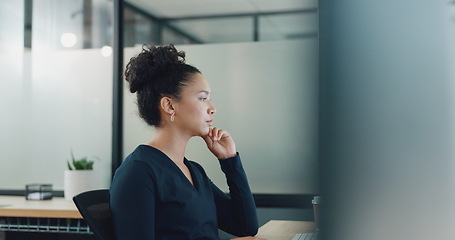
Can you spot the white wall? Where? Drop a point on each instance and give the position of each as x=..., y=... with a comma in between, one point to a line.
x=60, y=101
x=11, y=26
x=266, y=97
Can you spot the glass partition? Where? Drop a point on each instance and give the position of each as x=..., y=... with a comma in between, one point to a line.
x=56, y=94
x=137, y=28
x=208, y=30
x=288, y=26
x=145, y=23
x=263, y=71
x=266, y=95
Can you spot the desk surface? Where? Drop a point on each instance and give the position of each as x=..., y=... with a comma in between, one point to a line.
x=284, y=230
x=57, y=207
x=18, y=206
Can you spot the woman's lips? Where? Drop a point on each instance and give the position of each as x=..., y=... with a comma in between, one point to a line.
x=210, y=122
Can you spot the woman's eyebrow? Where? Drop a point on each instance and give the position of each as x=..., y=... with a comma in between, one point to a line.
x=205, y=91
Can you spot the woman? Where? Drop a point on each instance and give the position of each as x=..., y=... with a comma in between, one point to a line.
x=157, y=193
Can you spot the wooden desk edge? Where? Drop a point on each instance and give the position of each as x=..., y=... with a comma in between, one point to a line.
x=35, y=213
x=18, y=206
x=284, y=230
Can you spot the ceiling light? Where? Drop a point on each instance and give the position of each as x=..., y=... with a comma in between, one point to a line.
x=68, y=39
x=106, y=51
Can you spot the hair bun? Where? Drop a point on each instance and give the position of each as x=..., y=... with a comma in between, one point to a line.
x=144, y=68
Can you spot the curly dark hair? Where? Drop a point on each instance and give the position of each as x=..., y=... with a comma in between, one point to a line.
x=158, y=71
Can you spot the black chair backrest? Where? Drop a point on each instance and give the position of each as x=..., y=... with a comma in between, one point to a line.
x=94, y=208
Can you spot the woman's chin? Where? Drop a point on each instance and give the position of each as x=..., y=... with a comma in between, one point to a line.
x=205, y=132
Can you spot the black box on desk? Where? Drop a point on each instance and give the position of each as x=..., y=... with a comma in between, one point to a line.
x=38, y=191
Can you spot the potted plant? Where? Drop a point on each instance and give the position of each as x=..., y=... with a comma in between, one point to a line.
x=80, y=164
x=79, y=177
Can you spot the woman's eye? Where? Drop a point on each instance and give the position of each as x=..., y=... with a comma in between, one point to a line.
x=203, y=99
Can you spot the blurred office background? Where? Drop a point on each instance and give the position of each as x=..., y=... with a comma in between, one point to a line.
x=58, y=94
x=384, y=108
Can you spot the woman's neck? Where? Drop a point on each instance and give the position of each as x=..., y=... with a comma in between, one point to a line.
x=170, y=142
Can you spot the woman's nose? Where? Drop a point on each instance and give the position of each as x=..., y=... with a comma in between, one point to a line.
x=212, y=108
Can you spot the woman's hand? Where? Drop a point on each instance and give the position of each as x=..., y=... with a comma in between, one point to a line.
x=220, y=143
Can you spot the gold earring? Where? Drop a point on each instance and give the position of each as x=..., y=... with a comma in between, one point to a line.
x=172, y=117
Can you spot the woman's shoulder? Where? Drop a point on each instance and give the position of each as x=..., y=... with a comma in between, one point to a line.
x=144, y=162
x=146, y=154
x=143, y=156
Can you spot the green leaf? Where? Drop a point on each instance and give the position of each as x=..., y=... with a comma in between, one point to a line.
x=72, y=155
x=81, y=164
x=90, y=165
x=69, y=165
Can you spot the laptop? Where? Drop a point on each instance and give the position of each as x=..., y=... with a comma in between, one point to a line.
x=306, y=236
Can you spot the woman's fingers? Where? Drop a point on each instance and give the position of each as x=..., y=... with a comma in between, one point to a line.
x=220, y=143
x=216, y=134
x=207, y=139
x=222, y=134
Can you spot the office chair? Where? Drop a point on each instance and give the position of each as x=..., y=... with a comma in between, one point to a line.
x=94, y=208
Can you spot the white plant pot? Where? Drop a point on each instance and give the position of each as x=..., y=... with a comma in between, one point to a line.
x=78, y=181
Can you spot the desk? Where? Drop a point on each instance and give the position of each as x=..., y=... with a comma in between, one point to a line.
x=55, y=215
x=284, y=230
x=18, y=206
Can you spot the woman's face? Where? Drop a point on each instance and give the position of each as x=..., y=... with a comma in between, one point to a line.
x=194, y=111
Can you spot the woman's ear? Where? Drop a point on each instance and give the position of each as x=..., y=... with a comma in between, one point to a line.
x=166, y=104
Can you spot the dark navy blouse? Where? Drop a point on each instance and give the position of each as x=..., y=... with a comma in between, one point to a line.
x=151, y=198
